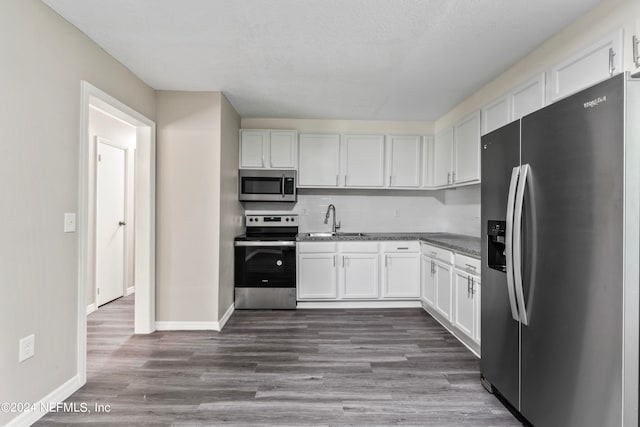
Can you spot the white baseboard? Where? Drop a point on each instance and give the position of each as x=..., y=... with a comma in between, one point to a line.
x=91, y=308
x=186, y=326
x=359, y=304
x=56, y=396
x=195, y=326
x=130, y=290
x=225, y=317
x=452, y=330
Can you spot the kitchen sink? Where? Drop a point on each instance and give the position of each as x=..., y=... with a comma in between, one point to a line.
x=337, y=234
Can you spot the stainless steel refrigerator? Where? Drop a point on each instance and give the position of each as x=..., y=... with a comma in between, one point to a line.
x=560, y=252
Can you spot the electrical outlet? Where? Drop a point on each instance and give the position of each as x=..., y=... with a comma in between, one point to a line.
x=304, y=211
x=27, y=347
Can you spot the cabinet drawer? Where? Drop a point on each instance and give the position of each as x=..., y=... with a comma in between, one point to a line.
x=358, y=247
x=466, y=263
x=401, y=246
x=437, y=253
x=317, y=247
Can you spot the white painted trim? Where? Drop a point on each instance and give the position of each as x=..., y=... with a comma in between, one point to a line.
x=144, y=216
x=130, y=290
x=359, y=304
x=196, y=326
x=225, y=317
x=187, y=326
x=91, y=308
x=56, y=396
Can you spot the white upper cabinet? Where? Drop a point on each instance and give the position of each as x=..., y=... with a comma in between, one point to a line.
x=443, y=158
x=467, y=150
x=283, y=149
x=363, y=160
x=596, y=62
x=524, y=99
x=427, y=161
x=319, y=163
x=528, y=97
x=404, y=161
x=267, y=149
x=496, y=114
x=252, y=146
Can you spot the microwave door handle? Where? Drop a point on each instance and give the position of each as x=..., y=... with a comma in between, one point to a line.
x=282, y=185
x=509, y=242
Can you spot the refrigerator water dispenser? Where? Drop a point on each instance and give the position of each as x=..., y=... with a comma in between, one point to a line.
x=496, y=258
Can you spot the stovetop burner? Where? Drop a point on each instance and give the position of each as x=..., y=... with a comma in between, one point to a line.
x=270, y=228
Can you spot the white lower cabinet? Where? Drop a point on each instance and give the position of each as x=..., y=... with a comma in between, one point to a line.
x=427, y=280
x=317, y=276
x=402, y=275
x=464, y=317
x=444, y=277
x=359, y=277
x=450, y=291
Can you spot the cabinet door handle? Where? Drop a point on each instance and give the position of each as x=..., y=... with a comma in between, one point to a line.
x=403, y=248
x=343, y=261
x=468, y=287
x=386, y=262
x=453, y=177
x=612, y=67
x=473, y=287
x=390, y=180
x=334, y=261
x=337, y=180
x=262, y=159
x=433, y=267
x=449, y=178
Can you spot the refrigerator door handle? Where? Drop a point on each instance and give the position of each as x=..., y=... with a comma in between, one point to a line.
x=517, y=240
x=515, y=173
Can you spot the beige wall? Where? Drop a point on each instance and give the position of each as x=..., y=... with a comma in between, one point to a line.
x=188, y=214
x=342, y=126
x=231, y=211
x=601, y=21
x=44, y=58
x=124, y=135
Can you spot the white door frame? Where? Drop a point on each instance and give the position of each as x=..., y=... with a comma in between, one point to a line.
x=144, y=212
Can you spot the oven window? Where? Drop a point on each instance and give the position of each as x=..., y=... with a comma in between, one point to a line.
x=267, y=266
x=261, y=185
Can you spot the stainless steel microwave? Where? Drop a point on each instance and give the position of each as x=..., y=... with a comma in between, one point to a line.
x=261, y=185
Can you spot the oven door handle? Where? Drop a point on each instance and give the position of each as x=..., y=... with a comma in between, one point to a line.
x=256, y=243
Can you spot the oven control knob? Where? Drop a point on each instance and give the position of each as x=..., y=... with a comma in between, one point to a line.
x=279, y=263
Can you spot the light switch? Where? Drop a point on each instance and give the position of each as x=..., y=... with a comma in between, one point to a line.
x=69, y=222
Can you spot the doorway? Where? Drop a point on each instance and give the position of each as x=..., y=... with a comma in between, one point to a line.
x=143, y=200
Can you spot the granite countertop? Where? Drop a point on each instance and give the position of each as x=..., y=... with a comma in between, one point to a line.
x=467, y=245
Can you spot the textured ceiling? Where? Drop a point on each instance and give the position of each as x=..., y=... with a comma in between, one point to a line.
x=347, y=59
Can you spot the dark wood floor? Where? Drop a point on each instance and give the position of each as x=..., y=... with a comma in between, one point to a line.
x=304, y=367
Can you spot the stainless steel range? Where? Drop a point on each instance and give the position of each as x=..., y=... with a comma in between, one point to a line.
x=265, y=263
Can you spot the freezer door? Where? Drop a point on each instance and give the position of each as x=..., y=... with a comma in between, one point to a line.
x=572, y=258
x=499, y=331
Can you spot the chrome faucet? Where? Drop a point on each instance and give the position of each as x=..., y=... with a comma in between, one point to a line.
x=326, y=218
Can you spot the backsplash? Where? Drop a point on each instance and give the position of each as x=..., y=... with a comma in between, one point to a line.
x=454, y=211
